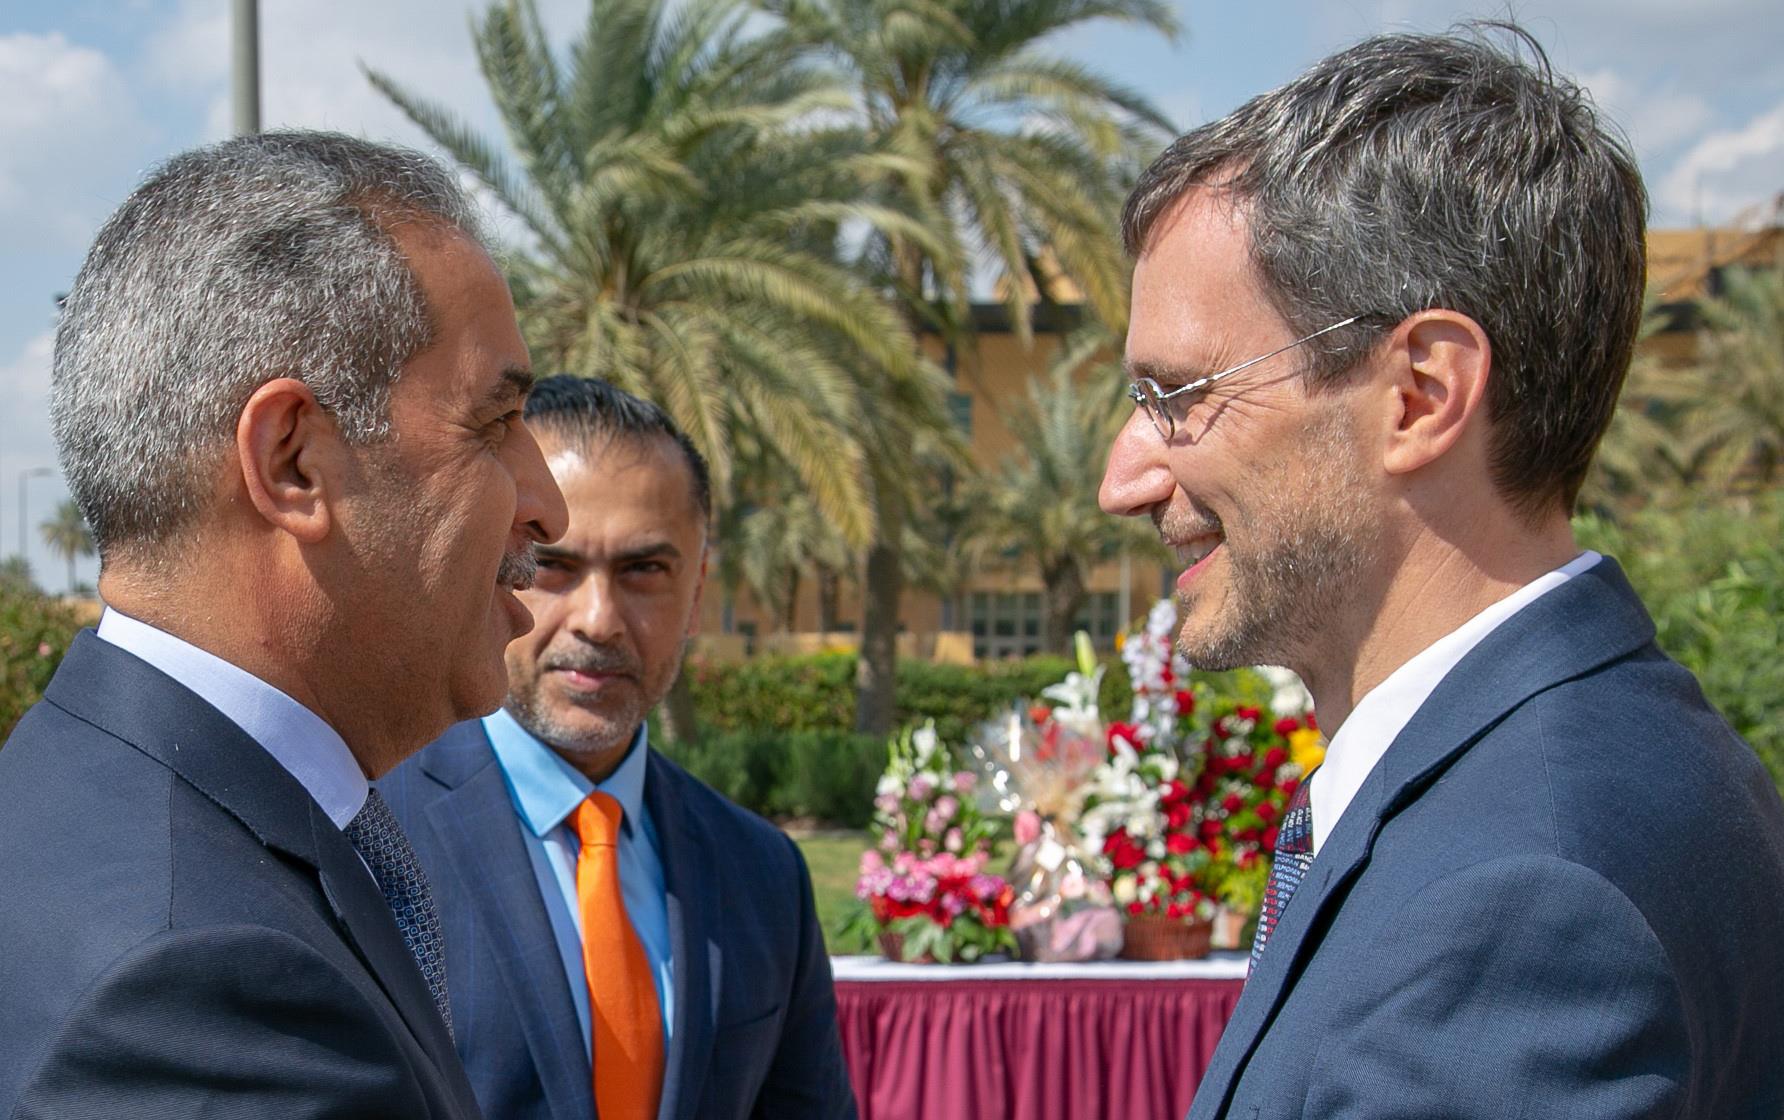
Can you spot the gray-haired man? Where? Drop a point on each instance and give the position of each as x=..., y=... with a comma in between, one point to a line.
x=288, y=391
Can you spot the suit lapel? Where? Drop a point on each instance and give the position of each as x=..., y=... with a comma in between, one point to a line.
x=142, y=706
x=480, y=833
x=1592, y=619
x=691, y=896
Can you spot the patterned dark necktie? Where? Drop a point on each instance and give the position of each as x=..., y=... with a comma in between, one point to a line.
x=381, y=843
x=1294, y=855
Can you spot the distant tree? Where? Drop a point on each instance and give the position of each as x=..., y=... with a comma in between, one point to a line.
x=15, y=576
x=1042, y=507
x=67, y=535
x=1008, y=156
x=1738, y=425
x=1645, y=450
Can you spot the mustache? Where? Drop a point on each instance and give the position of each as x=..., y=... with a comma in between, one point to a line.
x=593, y=659
x=1182, y=524
x=518, y=568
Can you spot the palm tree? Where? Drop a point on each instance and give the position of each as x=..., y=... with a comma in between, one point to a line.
x=1042, y=507
x=67, y=534
x=1739, y=425
x=682, y=211
x=992, y=144
x=1643, y=451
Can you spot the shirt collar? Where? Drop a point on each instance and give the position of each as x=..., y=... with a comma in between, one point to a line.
x=297, y=738
x=547, y=789
x=1385, y=710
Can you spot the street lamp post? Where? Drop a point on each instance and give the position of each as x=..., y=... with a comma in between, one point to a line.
x=24, y=477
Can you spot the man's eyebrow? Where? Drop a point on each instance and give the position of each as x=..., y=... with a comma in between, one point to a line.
x=514, y=385
x=1160, y=372
x=651, y=551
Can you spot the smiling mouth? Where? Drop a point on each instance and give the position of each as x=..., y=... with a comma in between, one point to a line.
x=1191, y=552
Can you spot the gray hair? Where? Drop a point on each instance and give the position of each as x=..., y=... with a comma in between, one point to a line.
x=1421, y=171
x=262, y=257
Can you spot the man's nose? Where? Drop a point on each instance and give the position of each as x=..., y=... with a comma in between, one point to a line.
x=1138, y=476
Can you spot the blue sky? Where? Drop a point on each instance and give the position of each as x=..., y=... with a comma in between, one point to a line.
x=93, y=92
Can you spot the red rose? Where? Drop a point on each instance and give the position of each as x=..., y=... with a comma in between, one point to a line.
x=1287, y=724
x=1173, y=792
x=1274, y=758
x=1252, y=714
x=1177, y=909
x=1312, y=724
x=1135, y=908
x=1220, y=728
x=1178, y=815
x=1125, y=731
x=1186, y=702
x=1210, y=829
x=1232, y=802
x=1040, y=713
x=1269, y=841
x=1179, y=843
x=1265, y=810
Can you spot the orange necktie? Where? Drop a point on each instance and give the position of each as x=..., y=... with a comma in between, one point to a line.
x=624, y=1015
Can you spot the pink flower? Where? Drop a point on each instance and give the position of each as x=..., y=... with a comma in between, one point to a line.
x=871, y=861
x=1028, y=826
x=964, y=781
x=921, y=787
x=954, y=840
x=947, y=805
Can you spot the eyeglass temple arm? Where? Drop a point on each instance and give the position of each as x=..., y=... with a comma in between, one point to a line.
x=1204, y=382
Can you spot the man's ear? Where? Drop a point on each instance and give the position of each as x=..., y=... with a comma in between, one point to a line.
x=1441, y=361
x=285, y=442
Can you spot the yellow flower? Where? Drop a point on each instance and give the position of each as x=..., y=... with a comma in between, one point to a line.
x=1306, y=748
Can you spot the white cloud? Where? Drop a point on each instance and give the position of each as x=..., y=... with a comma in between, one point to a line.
x=1729, y=170
x=1657, y=117
x=68, y=130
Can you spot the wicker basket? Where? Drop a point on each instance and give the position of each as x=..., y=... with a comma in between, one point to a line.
x=892, y=948
x=1154, y=937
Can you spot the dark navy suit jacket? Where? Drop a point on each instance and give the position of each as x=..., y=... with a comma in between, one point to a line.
x=183, y=932
x=755, y=1013
x=1559, y=894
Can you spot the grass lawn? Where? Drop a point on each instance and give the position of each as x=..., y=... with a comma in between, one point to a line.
x=833, y=856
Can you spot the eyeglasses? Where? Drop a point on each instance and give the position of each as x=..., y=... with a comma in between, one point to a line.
x=1151, y=397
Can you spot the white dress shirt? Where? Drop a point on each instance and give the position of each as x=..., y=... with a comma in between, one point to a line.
x=1386, y=709
x=296, y=737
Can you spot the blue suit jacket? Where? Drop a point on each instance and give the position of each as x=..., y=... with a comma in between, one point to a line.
x=184, y=932
x=1560, y=894
x=755, y=1014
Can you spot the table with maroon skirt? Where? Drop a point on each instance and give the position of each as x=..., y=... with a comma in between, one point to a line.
x=1111, y=1040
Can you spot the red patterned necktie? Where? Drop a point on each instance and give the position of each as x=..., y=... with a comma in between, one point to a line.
x=1294, y=855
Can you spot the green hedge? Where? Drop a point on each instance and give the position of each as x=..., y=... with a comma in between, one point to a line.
x=824, y=775
x=34, y=634
x=817, y=692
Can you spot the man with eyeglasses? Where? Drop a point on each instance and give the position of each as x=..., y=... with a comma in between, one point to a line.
x=1380, y=320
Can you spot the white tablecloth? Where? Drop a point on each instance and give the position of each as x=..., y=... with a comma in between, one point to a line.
x=1218, y=966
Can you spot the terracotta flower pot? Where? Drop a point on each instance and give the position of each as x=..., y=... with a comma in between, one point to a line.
x=1154, y=937
x=1229, y=928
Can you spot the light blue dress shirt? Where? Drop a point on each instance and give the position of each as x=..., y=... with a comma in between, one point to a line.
x=296, y=737
x=546, y=790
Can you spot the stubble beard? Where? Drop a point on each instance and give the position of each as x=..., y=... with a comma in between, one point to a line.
x=1287, y=593
x=611, y=732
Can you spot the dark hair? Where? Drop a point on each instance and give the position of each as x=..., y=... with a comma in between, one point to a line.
x=264, y=256
x=1419, y=171
x=586, y=409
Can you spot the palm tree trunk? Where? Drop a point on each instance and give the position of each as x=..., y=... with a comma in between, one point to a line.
x=829, y=590
x=1065, y=597
x=876, y=667
x=676, y=721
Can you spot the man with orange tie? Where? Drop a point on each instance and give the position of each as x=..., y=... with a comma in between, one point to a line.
x=621, y=940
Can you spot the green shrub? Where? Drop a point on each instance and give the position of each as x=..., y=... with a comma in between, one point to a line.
x=824, y=775
x=34, y=634
x=1713, y=578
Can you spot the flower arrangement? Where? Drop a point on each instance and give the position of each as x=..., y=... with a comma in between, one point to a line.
x=925, y=891
x=1185, y=809
x=1035, y=762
